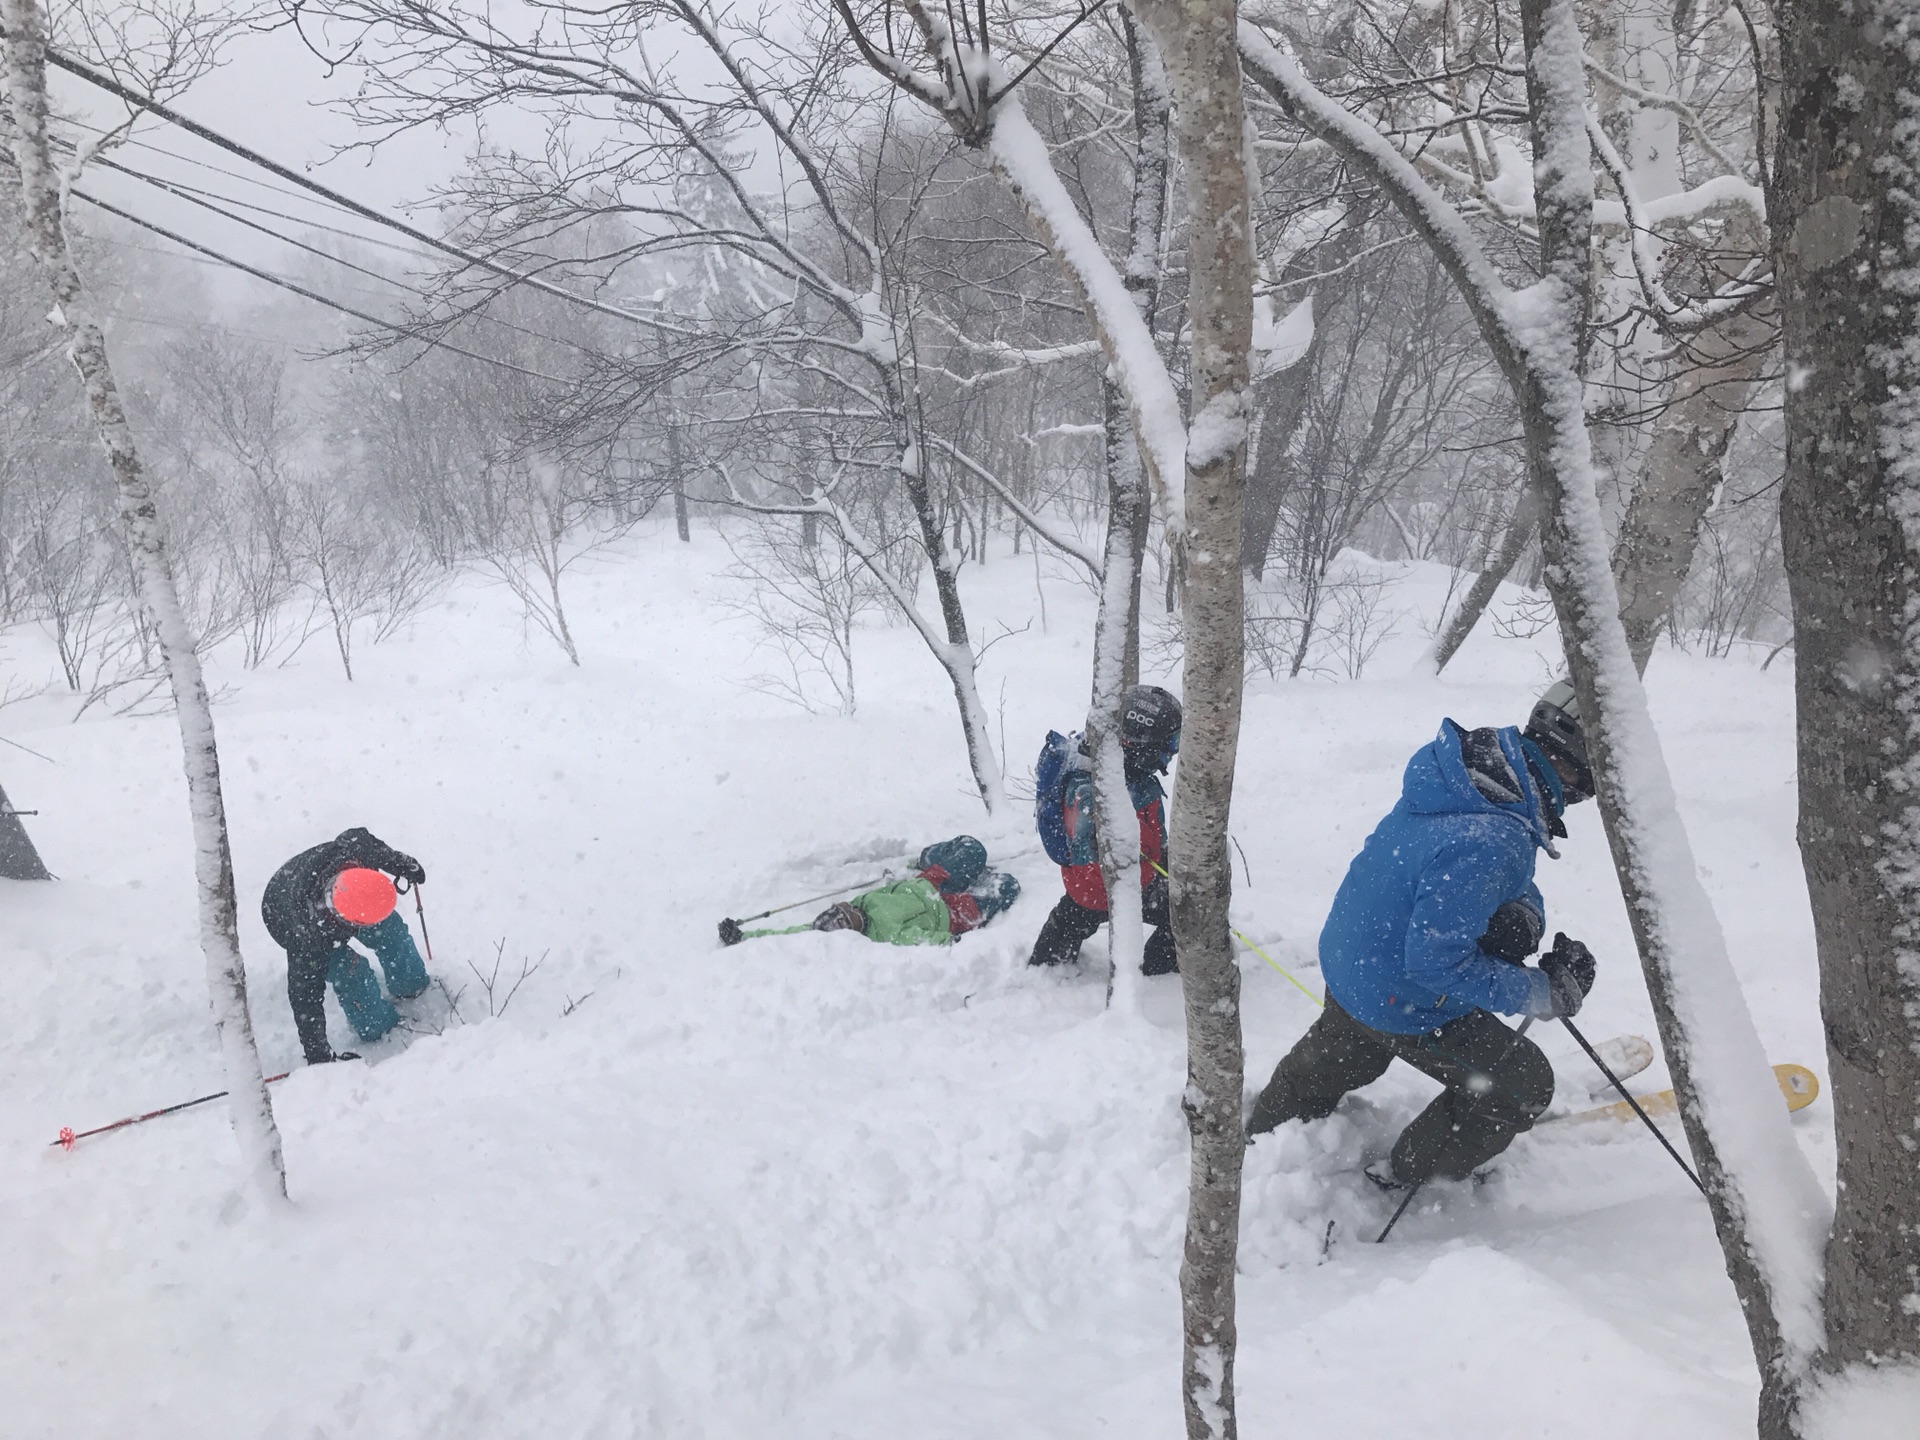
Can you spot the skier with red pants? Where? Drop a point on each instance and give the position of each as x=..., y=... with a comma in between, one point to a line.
x=1427, y=941
x=317, y=902
x=1063, y=809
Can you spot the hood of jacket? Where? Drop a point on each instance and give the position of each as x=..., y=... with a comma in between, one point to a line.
x=1439, y=782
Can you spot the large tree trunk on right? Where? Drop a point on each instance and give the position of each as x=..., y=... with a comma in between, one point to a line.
x=1846, y=253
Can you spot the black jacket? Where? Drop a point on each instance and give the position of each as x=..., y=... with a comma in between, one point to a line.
x=295, y=905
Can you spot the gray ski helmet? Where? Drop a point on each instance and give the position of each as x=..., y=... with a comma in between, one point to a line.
x=1150, y=721
x=1554, y=726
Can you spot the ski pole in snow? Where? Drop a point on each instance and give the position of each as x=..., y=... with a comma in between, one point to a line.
x=420, y=909
x=730, y=932
x=67, y=1135
x=1414, y=1189
x=1647, y=1120
x=1279, y=969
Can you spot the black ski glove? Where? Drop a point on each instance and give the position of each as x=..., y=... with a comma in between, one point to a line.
x=1570, y=970
x=730, y=932
x=1513, y=933
x=410, y=869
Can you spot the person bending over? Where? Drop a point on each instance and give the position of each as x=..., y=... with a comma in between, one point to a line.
x=319, y=901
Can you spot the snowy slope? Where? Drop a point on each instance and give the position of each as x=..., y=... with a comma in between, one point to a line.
x=808, y=1186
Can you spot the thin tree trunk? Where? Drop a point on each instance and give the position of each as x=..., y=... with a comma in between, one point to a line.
x=957, y=657
x=681, y=523
x=1846, y=252
x=1521, y=528
x=1142, y=528
x=40, y=188
x=1682, y=473
x=1197, y=40
x=1283, y=406
x=1116, y=640
x=1282, y=399
x=1115, y=826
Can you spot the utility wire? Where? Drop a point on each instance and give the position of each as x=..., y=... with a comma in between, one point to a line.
x=308, y=222
x=429, y=341
x=132, y=142
x=183, y=193
x=233, y=147
x=217, y=257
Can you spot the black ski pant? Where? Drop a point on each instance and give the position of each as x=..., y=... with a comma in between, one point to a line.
x=307, y=994
x=1071, y=925
x=1497, y=1083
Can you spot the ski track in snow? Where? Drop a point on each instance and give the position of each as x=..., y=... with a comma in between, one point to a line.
x=807, y=1187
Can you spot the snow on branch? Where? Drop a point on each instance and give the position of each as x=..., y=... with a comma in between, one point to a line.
x=1688, y=115
x=1020, y=156
x=1367, y=150
x=1013, y=354
x=1032, y=521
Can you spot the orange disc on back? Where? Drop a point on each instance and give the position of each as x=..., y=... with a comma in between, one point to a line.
x=363, y=897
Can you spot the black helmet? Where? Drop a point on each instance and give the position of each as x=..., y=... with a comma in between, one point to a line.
x=1150, y=722
x=1554, y=726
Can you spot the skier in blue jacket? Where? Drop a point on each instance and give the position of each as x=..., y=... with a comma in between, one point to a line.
x=1427, y=941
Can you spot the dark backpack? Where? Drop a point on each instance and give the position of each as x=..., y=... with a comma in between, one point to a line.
x=1050, y=773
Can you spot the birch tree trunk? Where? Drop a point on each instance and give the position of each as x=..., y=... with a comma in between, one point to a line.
x=956, y=657
x=1847, y=253
x=1197, y=41
x=1759, y=1187
x=1116, y=638
x=41, y=189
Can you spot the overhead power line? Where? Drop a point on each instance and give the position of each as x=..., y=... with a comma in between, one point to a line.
x=193, y=197
x=313, y=295
x=233, y=147
x=197, y=162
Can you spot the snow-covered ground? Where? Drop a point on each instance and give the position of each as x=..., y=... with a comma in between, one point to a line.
x=807, y=1187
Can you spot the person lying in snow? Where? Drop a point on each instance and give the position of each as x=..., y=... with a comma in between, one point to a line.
x=1428, y=936
x=953, y=891
x=315, y=904
x=1063, y=808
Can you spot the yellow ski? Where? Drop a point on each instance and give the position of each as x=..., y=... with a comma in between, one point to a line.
x=1799, y=1085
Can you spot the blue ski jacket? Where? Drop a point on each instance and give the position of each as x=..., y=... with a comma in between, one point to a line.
x=1400, y=947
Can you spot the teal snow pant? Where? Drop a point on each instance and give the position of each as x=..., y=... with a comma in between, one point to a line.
x=365, y=1005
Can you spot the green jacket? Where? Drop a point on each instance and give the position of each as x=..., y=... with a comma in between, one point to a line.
x=907, y=912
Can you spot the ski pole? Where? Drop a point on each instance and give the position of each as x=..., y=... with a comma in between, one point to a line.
x=1647, y=1120
x=795, y=905
x=1280, y=969
x=67, y=1135
x=1414, y=1189
x=420, y=909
